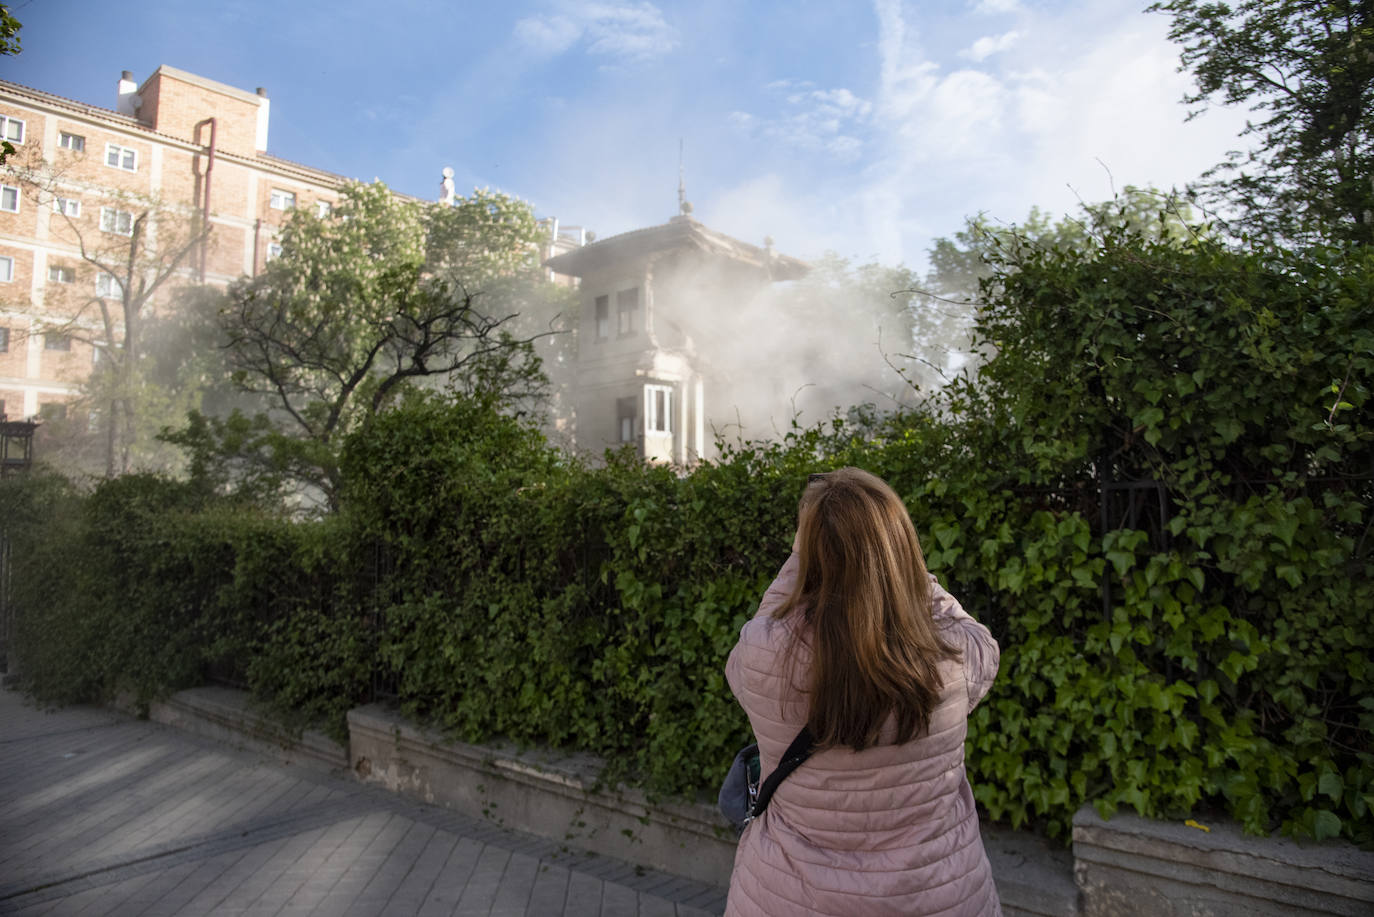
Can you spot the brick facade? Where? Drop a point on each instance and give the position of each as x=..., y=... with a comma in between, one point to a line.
x=105, y=164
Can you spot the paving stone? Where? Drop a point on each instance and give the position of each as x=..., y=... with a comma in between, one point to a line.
x=419, y=879
x=550, y=890
x=447, y=888
x=106, y=815
x=618, y=901
x=584, y=896
x=513, y=894
x=653, y=906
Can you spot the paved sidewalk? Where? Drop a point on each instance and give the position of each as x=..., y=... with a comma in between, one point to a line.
x=104, y=814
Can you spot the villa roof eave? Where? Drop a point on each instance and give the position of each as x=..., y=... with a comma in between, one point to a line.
x=680, y=232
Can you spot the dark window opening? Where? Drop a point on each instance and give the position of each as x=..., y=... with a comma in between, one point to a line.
x=625, y=418
x=603, y=317
x=627, y=307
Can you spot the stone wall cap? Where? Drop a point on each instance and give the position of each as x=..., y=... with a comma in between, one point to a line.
x=1336, y=857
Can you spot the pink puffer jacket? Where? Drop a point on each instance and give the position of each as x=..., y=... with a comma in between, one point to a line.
x=888, y=830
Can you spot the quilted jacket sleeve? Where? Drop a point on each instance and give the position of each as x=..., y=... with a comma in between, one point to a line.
x=780, y=588
x=980, y=651
x=754, y=669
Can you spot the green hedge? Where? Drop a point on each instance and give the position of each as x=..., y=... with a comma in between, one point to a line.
x=1213, y=656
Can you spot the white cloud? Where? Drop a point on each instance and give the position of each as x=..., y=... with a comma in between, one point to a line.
x=547, y=34
x=1071, y=87
x=840, y=102
x=989, y=45
x=814, y=120
x=877, y=163
x=994, y=7
x=625, y=32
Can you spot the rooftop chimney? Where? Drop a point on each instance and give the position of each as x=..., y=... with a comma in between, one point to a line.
x=128, y=101
x=264, y=110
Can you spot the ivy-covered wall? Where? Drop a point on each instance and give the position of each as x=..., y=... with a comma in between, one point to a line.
x=1156, y=492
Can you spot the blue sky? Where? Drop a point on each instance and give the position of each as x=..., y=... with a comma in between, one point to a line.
x=864, y=128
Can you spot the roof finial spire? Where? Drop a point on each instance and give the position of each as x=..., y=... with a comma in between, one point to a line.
x=683, y=207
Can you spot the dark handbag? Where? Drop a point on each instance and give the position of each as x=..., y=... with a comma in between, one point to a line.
x=742, y=799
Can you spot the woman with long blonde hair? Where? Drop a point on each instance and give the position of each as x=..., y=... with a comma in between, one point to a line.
x=855, y=641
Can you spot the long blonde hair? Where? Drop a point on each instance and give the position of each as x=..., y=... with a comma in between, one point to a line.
x=863, y=589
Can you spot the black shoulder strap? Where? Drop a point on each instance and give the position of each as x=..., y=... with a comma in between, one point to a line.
x=796, y=753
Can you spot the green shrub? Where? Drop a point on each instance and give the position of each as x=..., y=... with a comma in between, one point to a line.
x=1156, y=492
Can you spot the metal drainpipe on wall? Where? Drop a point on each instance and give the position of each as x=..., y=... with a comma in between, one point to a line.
x=257, y=236
x=205, y=207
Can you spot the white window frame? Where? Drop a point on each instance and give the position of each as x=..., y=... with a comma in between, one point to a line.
x=273, y=250
x=68, y=141
x=67, y=206
x=110, y=219
x=57, y=342
x=6, y=122
x=6, y=269
x=281, y=199
x=61, y=273
x=5, y=192
x=121, y=155
x=656, y=421
x=323, y=209
x=107, y=286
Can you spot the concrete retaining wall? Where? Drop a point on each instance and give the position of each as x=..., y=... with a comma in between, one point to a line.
x=227, y=716
x=555, y=796
x=1126, y=866
x=552, y=797
x=1136, y=866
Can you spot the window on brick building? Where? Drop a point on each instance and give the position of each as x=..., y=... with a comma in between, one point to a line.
x=603, y=317
x=273, y=250
x=282, y=200
x=107, y=286
x=627, y=307
x=6, y=268
x=54, y=341
x=323, y=209
x=74, y=142
x=4, y=348
x=52, y=410
x=11, y=129
x=120, y=222
x=68, y=206
x=121, y=157
x=60, y=274
x=9, y=198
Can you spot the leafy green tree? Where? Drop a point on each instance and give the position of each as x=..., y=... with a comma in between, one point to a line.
x=960, y=264
x=1307, y=68
x=134, y=257
x=9, y=44
x=9, y=32
x=382, y=294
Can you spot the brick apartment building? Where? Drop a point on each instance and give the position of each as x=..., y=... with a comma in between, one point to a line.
x=197, y=146
x=200, y=148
